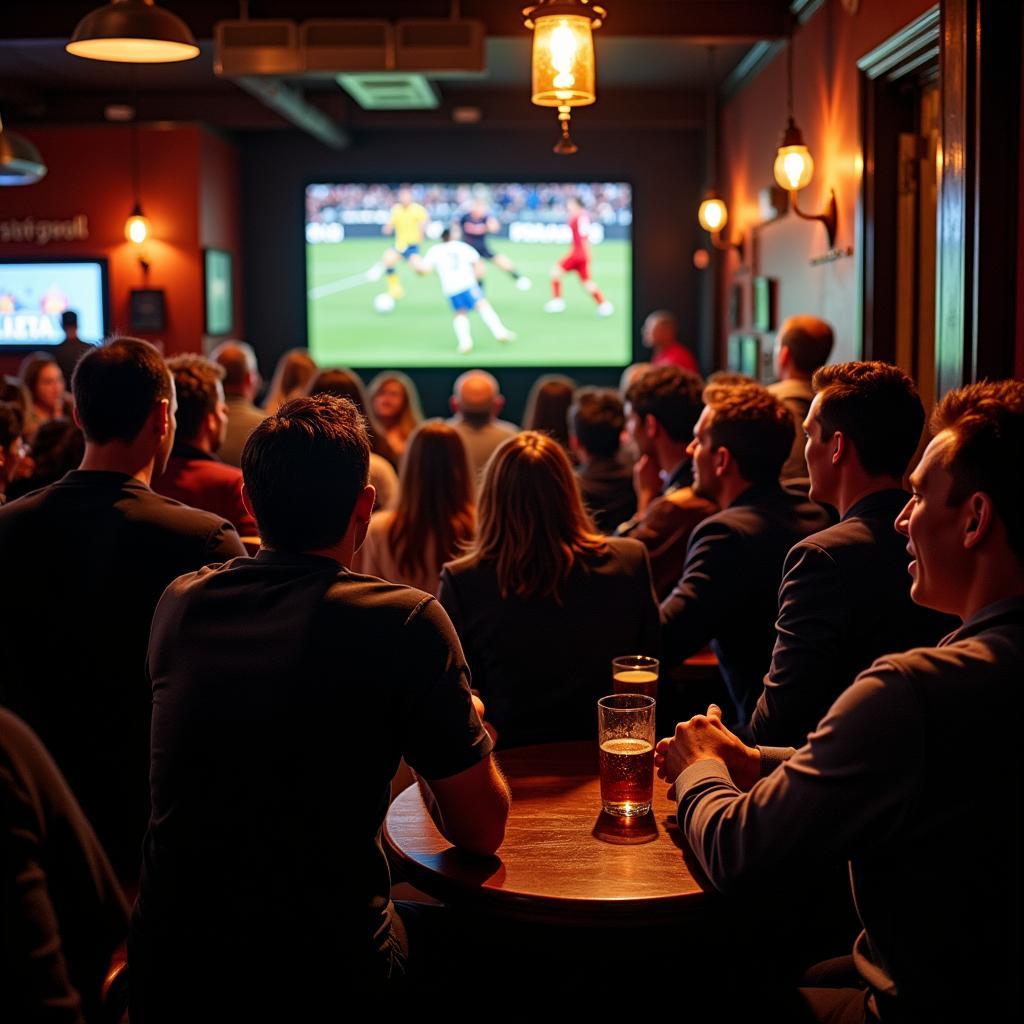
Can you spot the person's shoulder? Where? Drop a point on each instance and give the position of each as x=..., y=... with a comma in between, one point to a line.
x=505, y=427
x=379, y=606
x=174, y=516
x=627, y=552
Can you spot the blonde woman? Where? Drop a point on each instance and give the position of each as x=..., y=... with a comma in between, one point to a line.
x=294, y=370
x=395, y=403
x=542, y=602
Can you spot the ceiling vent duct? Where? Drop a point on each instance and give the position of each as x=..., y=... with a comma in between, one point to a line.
x=390, y=90
x=259, y=47
x=332, y=45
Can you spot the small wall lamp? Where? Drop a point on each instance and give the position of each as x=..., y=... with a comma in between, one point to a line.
x=794, y=165
x=713, y=215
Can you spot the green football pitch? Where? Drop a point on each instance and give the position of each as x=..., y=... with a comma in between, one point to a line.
x=346, y=330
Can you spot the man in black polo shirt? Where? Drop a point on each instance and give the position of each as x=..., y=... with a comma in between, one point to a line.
x=845, y=596
x=890, y=779
x=285, y=691
x=84, y=562
x=728, y=592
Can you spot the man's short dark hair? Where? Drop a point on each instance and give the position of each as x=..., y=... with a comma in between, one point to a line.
x=987, y=454
x=809, y=340
x=69, y=318
x=877, y=408
x=116, y=388
x=195, y=382
x=672, y=396
x=597, y=420
x=754, y=426
x=12, y=423
x=304, y=469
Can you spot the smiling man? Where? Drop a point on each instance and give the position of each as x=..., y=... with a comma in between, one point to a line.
x=887, y=781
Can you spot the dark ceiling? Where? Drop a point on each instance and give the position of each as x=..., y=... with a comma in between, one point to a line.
x=652, y=58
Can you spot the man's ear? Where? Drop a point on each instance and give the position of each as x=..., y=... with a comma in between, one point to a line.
x=785, y=357
x=651, y=426
x=453, y=404
x=247, y=501
x=76, y=417
x=499, y=403
x=722, y=461
x=980, y=518
x=161, y=418
x=361, y=515
x=839, y=447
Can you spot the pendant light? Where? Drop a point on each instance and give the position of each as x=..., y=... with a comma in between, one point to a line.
x=20, y=161
x=133, y=32
x=563, y=58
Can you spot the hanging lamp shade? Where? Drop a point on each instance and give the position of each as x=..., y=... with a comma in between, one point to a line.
x=794, y=166
x=20, y=162
x=133, y=32
x=563, y=57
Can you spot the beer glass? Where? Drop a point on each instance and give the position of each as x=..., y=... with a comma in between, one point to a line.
x=625, y=724
x=635, y=673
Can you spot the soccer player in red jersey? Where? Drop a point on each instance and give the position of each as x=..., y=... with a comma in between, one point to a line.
x=578, y=260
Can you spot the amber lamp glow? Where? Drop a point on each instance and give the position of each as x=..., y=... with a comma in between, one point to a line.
x=712, y=214
x=563, y=73
x=133, y=32
x=794, y=165
x=136, y=227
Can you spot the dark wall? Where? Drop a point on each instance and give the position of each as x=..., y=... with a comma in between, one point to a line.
x=665, y=168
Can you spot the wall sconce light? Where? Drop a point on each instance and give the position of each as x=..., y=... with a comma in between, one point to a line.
x=133, y=32
x=794, y=165
x=713, y=215
x=563, y=58
x=136, y=227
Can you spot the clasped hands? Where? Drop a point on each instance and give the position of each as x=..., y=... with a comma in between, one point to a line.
x=705, y=738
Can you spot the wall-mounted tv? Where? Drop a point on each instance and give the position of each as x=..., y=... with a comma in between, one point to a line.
x=34, y=294
x=469, y=274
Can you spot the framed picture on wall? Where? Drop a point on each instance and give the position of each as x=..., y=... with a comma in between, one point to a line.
x=220, y=300
x=736, y=310
x=147, y=310
x=744, y=355
x=765, y=291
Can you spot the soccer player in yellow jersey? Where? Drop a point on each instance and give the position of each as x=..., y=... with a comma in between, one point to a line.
x=406, y=223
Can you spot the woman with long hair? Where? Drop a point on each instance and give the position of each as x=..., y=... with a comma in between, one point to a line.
x=43, y=381
x=547, y=406
x=434, y=518
x=294, y=370
x=541, y=601
x=396, y=404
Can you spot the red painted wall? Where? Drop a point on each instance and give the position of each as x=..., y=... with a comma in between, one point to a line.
x=188, y=186
x=826, y=106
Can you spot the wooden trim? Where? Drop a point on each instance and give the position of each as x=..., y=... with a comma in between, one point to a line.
x=906, y=50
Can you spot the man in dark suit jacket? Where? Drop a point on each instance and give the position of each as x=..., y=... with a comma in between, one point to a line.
x=729, y=587
x=194, y=475
x=845, y=596
x=85, y=561
x=72, y=348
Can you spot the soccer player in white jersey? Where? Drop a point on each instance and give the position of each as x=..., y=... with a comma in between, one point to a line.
x=454, y=262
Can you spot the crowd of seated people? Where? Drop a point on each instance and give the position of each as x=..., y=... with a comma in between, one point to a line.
x=187, y=713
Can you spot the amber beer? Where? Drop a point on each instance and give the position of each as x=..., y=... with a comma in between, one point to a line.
x=626, y=753
x=635, y=673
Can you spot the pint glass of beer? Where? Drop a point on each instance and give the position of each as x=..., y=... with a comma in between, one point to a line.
x=625, y=723
x=635, y=673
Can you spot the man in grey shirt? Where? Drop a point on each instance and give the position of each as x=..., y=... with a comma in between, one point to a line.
x=887, y=780
x=476, y=401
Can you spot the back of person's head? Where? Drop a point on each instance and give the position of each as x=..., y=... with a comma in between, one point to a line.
x=755, y=427
x=12, y=391
x=239, y=362
x=809, y=340
x=597, y=420
x=304, y=467
x=877, y=409
x=727, y=378
x=436, y=499
x=196, y=381
x=116, y=388
x=69, y=318
x=31, y=369
x=986, y=421
x=630, y=374
x=348, y=384
x=672, y=396
x=12, y=422
x=57, y=449
x=294, y=370
x=547, y=406
x=531, y=521
x=477, y=396
x=660, y=328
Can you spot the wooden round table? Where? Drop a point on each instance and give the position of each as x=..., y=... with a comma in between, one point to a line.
x=563, y=860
